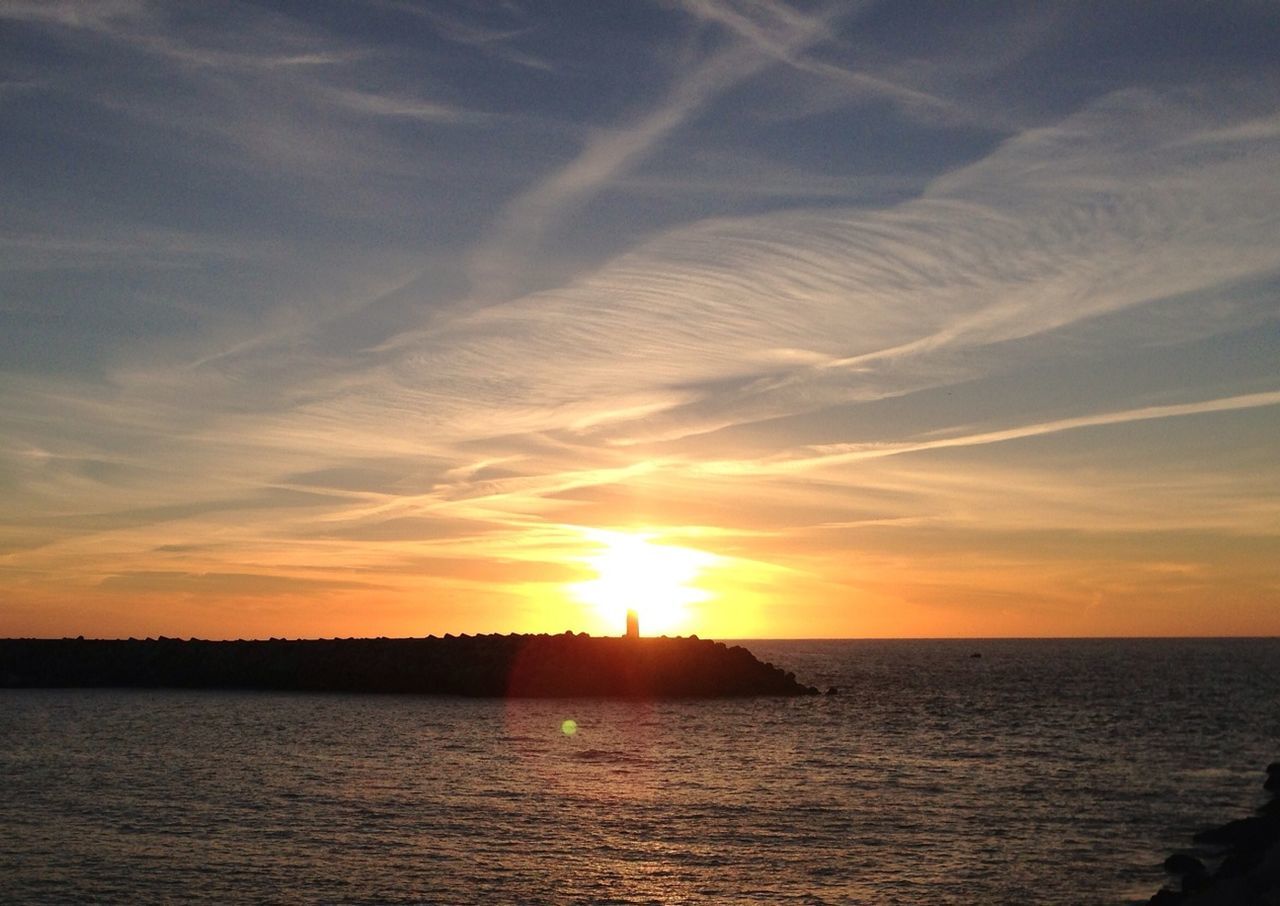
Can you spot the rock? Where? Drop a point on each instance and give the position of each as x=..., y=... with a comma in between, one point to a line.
x=1182, y=864
x=1249, y=871
x=565, y=665
x=1190, y=869
x=1247, y=834
x=832, y=690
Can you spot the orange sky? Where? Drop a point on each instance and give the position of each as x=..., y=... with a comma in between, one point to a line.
x=769, y=322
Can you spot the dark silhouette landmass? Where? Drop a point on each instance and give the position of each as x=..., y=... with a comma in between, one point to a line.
x=1247, y=855
x=535, y=666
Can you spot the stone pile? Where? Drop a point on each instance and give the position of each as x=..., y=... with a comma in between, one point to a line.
x=531, y=666
x=1243, y=860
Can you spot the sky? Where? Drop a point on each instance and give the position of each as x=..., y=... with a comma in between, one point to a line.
x=335, y=318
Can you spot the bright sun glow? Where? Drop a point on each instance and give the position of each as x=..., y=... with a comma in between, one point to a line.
x=634, y=573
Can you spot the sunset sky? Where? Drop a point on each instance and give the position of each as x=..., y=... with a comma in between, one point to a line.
x=866, y=319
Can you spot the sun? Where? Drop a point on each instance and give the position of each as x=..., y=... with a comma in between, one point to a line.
x=635, y=573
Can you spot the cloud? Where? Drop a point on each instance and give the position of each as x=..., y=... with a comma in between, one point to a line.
x=289, y=94
x=739, y=321
x=495, y=42
x=609, y=153
x=758, y=378
x=774, y=19
x=72, y=13
x=236, y=584
x=840, y=454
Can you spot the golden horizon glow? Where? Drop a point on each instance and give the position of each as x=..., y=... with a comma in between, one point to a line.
x=635, y=573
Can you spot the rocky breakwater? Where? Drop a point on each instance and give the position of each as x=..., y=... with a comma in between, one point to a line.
x=543, y=666
x=1246, y=856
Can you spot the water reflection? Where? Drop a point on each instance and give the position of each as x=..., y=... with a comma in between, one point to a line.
x=933, y=778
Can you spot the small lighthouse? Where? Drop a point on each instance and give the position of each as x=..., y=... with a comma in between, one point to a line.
x=633, y=625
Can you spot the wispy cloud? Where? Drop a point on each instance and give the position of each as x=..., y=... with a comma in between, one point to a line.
x=761, y=24
x=500, y=42
x=611, y=151
x=841, y=454
x=329, y=331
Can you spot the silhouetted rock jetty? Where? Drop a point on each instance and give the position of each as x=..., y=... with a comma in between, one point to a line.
x=1247, y=852
x=565, y=665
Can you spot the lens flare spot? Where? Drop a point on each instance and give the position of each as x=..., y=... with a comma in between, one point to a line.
x=569, y=727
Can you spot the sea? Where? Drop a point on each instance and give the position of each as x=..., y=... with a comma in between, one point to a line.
x=943, y=772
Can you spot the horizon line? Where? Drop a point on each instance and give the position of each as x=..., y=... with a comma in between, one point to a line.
x=370, y=638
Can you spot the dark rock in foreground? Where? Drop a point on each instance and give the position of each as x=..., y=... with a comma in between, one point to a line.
x=1248, y=850
x=488, y=665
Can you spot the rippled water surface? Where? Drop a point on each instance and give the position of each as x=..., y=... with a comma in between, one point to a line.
x=1042, y=772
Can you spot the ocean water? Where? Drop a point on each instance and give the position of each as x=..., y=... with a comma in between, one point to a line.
x=1056, y=772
